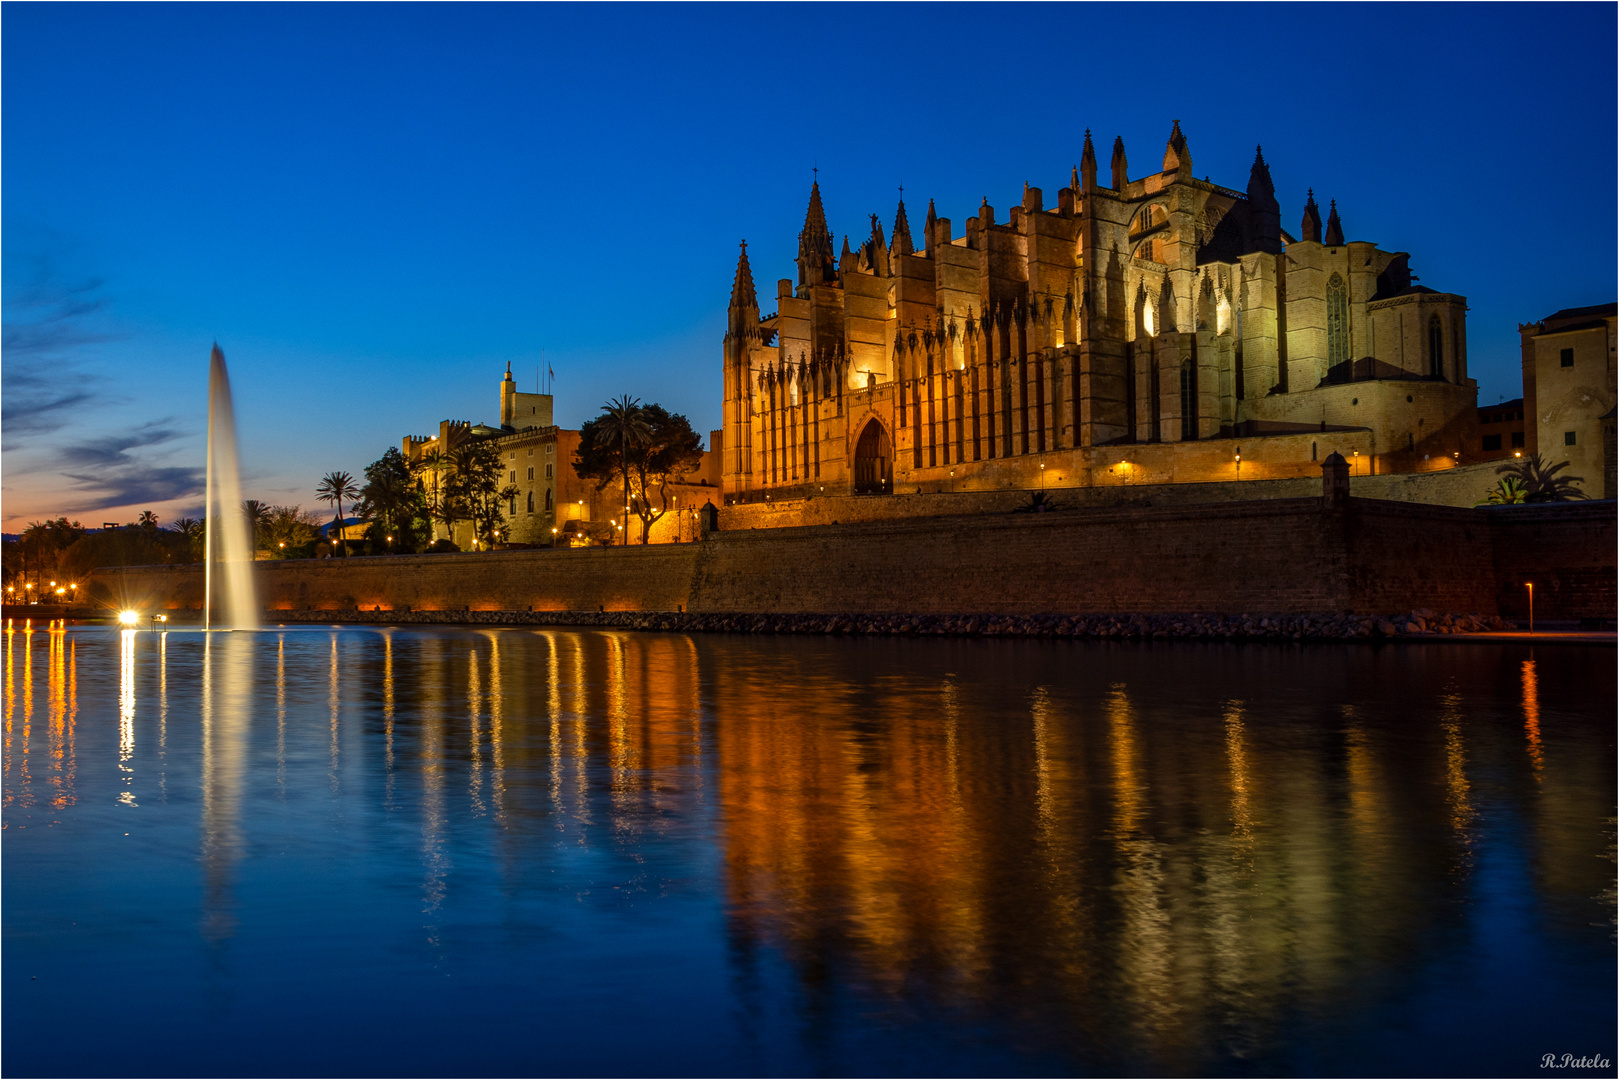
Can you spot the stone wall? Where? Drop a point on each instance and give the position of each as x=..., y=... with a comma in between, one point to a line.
x=1566, y=550
x=1462, y=486
x=1285, y=555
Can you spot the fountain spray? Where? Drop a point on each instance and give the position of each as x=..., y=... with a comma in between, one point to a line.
x=227, y=531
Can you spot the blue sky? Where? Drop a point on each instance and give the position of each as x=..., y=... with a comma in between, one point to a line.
x=374, y=208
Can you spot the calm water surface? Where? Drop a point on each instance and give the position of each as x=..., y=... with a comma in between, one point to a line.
x=518, y=851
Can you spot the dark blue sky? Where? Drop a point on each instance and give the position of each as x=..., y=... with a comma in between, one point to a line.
x=373, y=208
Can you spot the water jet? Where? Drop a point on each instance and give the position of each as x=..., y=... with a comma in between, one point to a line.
x=226, y=539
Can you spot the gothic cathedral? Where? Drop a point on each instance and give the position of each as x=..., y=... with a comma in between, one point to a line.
x=1161, y=329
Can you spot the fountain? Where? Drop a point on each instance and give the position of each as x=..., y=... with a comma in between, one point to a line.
x=227, y=540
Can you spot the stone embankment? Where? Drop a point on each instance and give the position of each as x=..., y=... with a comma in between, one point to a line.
x=1420, y=623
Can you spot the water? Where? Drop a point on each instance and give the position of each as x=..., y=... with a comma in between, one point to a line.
x=230, y=542
x=535, y=851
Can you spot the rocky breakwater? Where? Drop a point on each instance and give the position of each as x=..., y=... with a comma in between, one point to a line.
x=1415, y=624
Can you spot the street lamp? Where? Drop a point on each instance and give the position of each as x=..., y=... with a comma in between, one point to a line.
x=1530, y=585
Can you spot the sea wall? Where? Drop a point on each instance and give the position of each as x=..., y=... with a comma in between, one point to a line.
x=1284, y=556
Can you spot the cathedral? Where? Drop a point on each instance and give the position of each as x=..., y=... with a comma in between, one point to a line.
x=1160, y=329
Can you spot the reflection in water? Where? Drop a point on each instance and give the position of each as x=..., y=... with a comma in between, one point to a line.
x=1087, y=864
x=227, y=717
x=51, y=780
x=1531, y=715
x=126, y=714
x=1456, y=786
x=332, y=700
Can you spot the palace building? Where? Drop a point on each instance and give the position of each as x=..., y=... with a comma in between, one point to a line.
x=1156, y=329
x=552, y=505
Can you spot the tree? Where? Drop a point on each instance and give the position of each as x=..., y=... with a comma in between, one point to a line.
x=666, y=450
x=334, y=487
x=390, y=496
x=433, y=463
x=475, y=486
x=1540, y=480
x=291, y=532
x=622, y=422
x=195, y=533
x=1508, y=490
x=40, y=548
x=147, y=522
x=258, y=518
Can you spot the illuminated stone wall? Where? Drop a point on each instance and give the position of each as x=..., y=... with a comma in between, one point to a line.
x=1277, y=556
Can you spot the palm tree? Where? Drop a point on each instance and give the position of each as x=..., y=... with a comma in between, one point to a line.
x=1508, y=490
x=258, y=519
x=192, y=530
x=435, y=462
x=334, y=487
x=1541, y=482
x=624, y=419
x=147, y=522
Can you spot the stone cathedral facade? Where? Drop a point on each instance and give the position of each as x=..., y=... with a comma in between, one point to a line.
x=1156, y=329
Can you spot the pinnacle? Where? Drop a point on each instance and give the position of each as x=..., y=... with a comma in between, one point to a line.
x=902, y=231
x=742, y=291
x=816, y=235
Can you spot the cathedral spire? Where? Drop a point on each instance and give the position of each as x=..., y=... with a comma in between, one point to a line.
x=815, y=218
x=1121, y=167
x=1335, y=229
x=901, y=244
x=1265, y=214
x=743, y=295
x=815, y=243
x=1310, y=229
x=1177, y=158
x=927, y=229
x=1259, y=182
x=1087, y=165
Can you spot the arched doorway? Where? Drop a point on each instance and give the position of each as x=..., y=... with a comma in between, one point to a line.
x=873, y=461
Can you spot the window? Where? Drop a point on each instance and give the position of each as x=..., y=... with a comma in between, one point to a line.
x=548, y=500
x=1337, y=321
x=531, y=472
x=514, y=476
x=531, y=451
x=548, y=472
x=1436, y=348
x=1568, y=438
x=531, y=502
x=1492, y=442
x=1517, y=440
x=1568, y=357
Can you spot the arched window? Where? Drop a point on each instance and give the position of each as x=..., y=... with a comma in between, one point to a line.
x=548, y=499
x=531, y=502
x=1436, y=348
x=1337, y=321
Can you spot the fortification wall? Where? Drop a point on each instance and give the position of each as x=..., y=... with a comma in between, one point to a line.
x=1278, y=556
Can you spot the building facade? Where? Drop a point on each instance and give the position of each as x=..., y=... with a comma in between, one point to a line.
x=1569, y=392
x=1162, y=328
x=1500, y=431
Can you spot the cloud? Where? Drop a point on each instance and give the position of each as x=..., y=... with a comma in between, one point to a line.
x=106, y=474
x=48, y=320
x=112, y=451
x=135, y=485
